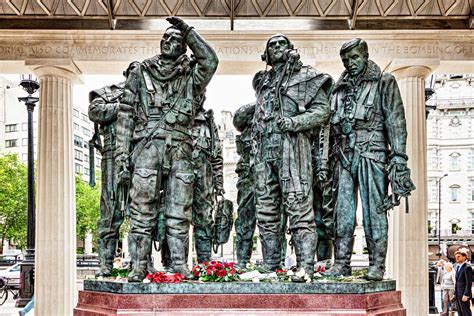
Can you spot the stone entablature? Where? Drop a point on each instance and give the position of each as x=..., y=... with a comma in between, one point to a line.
x=108, y=52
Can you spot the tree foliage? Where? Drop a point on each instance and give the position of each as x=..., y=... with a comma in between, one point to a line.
x=13, y=200
x=87, y=207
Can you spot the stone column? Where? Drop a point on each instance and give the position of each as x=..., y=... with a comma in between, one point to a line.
x=55, y=266
x=88, y=244
x=407, y=259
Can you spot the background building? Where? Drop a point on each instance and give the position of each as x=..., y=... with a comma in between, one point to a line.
x=450, y=146
x=14, y=127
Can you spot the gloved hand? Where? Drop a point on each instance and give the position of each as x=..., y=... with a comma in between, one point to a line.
x=179, y=23
x=285, y=124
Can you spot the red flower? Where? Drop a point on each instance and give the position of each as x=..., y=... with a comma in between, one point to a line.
x=232, y=271
x=280, y=271
x=221, y=273
x=213, y=262
x=196, y=273
x=210, y=270
x=218, y=265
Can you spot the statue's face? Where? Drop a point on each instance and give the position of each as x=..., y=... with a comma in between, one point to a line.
x=172, y=45
x=276, y=50
x=354, y=61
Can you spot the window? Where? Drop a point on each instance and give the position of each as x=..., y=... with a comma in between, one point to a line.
x=454, y=162
x=454, y=192
x=11, y=143
x=24, y=142
x=85, y=118
x=76, y=127
x=24, y=126
x=97, y=161
x=86, y=131
x=75, y=113
x=78, y=168
x=86, y=171
x=9, y=128
x=77, y=141
x=78, y=154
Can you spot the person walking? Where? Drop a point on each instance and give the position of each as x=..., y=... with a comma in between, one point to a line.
x=448, y=281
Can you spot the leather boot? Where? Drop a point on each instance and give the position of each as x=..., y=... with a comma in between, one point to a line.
x=305, y=249
x=202, y=240
x=140, y=248
x=179, y=246
x=342, y=254
x=244, y=252
x=106, y=256
x=377, y=265
x=165, y=257
x=324, y=249
x=271, y=248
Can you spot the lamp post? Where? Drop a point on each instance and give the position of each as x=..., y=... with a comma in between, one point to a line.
x=439, y=214
x=30, y=85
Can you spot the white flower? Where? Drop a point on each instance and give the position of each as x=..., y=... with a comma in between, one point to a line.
x=317, y=275
x=100, y=278
x=290, y=273
x=300, y=273
x=256, y=280
x=146, y=281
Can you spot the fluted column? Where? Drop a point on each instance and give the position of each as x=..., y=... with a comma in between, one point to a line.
x=407, y=259
x=55, y=275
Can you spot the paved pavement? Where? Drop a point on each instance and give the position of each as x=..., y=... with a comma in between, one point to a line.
x=9, y=309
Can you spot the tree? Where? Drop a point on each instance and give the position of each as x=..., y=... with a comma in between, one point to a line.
x=13, y=200
x=87, y=208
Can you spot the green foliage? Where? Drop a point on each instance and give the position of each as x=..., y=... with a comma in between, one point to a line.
x=14, y=202
x=121, y=273
x=87, y=207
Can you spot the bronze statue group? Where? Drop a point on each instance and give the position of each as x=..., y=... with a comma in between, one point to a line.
x=308, y=148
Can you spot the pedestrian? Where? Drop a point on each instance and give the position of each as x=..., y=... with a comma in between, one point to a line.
x=463, y=284
x=439, y=277
x=448, y=281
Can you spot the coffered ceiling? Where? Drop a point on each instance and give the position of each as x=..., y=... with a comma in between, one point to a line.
x=238, y=14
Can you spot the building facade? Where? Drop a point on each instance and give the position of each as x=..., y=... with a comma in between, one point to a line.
x=450, y=152
x=14, y=128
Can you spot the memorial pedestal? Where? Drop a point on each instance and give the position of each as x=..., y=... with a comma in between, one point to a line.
x=334, y=298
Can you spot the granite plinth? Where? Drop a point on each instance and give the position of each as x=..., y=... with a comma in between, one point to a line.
x=111, y=298
x=240, y=287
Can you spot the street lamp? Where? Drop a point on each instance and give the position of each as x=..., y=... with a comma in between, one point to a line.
x=30, y=85
x=439, y=214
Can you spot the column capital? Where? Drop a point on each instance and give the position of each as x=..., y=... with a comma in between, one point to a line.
x=64, y=68
x=412, y=67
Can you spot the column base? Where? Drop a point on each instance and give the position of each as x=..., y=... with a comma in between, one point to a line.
x=240, y=299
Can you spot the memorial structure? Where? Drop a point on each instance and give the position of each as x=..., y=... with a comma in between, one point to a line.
x=60, y=57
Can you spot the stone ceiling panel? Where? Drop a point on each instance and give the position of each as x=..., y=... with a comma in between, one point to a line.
x=353, y=14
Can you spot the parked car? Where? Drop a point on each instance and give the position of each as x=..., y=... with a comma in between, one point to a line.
x=12, y=275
